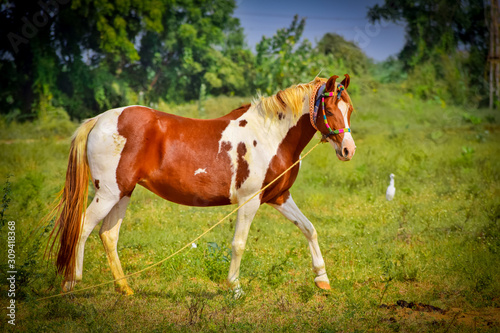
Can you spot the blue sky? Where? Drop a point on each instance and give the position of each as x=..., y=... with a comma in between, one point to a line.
x=347, y=18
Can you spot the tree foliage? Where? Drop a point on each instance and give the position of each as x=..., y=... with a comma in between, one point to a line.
x=346, y=51
x=446, y=45
x=90, y=55
x=281, y=55
x=285, y=58
x=86, y=56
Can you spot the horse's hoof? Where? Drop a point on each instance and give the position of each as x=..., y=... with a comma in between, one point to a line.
x=126, y=291
x=238, y=293
x=67, y=286
x=323, y=285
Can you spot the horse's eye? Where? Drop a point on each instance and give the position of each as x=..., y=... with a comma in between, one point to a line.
x=328, y=113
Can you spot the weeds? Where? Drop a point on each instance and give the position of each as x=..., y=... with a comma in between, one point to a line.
x=216, y=261
x=195, y=306
x=306, y=292
x=6, y=198
x=276, y=275
x=472, y=119
x=27, y=260
x=396, y=267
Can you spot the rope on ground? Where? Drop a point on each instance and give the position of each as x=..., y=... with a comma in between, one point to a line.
x=188, y=244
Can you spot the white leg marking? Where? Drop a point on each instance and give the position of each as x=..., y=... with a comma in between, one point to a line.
x=290, y=210
x=243, y=223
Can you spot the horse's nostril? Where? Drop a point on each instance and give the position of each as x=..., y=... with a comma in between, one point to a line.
x=346, y=152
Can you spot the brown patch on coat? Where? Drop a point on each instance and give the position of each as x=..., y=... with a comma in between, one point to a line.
x=255, y=143
x=96, y=183
x=281, y=199
x=288, y=153
x=243, y=123
x=159, y=148
x=225, y=146
x=242, y=171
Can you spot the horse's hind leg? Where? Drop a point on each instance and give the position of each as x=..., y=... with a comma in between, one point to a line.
x=290, y=210
x=109, y=235
x=96, y=211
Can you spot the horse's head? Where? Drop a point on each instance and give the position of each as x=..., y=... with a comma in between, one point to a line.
x=333, y=118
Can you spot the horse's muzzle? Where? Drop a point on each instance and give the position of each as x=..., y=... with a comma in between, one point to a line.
x=346, y=151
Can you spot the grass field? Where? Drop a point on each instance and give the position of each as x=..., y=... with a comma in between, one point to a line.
x=437, y=243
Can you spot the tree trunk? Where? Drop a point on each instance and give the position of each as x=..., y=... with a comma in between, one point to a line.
x=496, y=15
x=494, y=55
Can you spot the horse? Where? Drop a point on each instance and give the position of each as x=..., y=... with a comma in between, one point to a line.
x=196, y=162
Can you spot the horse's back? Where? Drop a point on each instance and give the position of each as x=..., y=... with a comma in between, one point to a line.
x=178, y=158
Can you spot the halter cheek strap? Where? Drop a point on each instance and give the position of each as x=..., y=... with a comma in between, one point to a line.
x=314, y=113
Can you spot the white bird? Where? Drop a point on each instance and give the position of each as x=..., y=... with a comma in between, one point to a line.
x=391, y=190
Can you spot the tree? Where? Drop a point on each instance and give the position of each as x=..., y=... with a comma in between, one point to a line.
x=69, y=54
x=450, y=37
x=91, y=55
x=283, y=59
x=494, y=54
x=280, y=60
x=430, y=24
x=200, y=44
x=352, y=56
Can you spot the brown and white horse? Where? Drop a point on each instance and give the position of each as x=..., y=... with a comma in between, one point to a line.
x=197, y=163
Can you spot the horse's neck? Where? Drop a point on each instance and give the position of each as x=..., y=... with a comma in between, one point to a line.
x=295, y=132
x=301, y=134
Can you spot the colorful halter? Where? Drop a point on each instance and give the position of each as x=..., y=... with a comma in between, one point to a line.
x=314, y=113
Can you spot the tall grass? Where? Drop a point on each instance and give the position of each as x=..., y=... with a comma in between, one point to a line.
x=437, y=242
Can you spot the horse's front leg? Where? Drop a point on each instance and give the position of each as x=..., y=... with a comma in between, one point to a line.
x=290, y=210
x=243, y=223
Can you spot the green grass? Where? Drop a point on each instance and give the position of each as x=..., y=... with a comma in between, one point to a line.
x=437, y=243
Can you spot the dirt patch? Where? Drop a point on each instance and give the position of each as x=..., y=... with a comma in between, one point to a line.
x=411, y=312
x=414, y=306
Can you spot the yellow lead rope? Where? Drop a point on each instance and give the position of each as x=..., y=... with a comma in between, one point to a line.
x=188, y=244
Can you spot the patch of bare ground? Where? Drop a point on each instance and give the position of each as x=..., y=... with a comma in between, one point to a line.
x=417, y=313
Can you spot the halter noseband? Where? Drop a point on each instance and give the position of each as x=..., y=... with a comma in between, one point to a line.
x=315, y=109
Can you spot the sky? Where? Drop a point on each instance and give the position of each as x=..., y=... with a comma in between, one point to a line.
x=346, y=18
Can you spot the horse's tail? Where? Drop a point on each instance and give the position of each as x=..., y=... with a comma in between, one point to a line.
x=72, y=202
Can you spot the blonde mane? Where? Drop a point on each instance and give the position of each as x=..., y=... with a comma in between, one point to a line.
x=293, y=97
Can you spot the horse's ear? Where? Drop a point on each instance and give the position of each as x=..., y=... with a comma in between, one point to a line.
x=330, y=84
x=345, y=82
